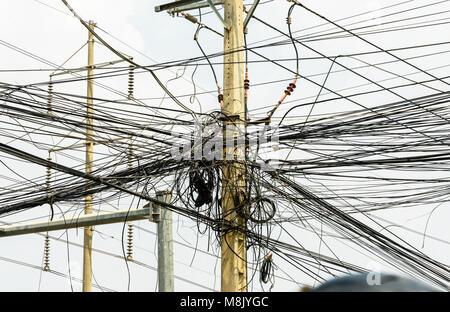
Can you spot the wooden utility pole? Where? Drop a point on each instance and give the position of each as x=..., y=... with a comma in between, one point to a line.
x=233, y=244
x=87, y=250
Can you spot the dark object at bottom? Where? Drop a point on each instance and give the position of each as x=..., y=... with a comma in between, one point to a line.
x=372, y=282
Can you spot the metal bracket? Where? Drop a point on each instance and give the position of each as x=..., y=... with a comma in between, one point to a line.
x=193, y=6
x=177, y=5
x=172, y=5
x=154, y=212
x=250, y=13
x=218, y=14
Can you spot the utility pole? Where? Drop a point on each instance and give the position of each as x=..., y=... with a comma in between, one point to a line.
x=233, y=244
x=165, y=243
x=233, y=240
x=87, y=250
x=155, y=212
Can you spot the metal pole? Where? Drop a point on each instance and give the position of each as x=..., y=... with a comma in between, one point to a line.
x=87, y=250
x=233, y=244
x=165, y=244
x=78, y=221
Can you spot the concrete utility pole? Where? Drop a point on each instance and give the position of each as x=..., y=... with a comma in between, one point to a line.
x=87, y=250
x=165, y=244
x=233, y=245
